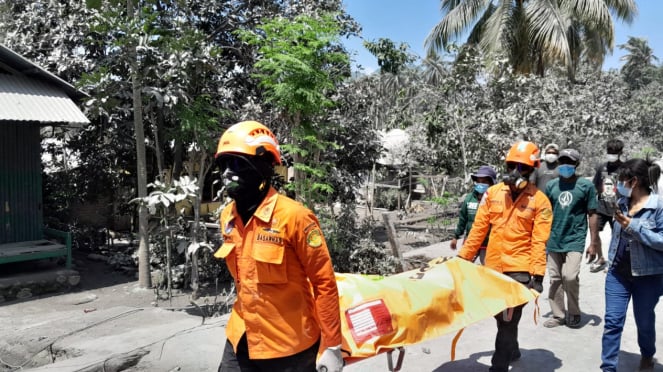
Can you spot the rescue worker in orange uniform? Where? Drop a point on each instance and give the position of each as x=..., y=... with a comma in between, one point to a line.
x=287, y=308
x=519, y=217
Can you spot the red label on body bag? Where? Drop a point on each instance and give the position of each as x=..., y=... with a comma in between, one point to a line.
x=368, y=320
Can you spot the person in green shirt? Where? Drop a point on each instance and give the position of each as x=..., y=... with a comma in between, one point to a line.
x=483, y=179
x=574, y=203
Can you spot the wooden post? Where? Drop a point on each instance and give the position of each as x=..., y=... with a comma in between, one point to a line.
x=393, y=241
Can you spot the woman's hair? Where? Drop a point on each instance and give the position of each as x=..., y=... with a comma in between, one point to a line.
x=645, y=171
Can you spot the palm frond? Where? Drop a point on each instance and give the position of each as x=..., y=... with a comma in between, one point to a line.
x=548, y=27
x=523, y=56
x=589, y=11
x=448, y=5
x=435, y=70
x=638, y=51
x=496, y=26
x=625, y=10
x=593, y=15
x=455, y=22
x=477, y=31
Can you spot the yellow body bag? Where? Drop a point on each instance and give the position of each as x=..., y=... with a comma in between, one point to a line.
x=379, y=314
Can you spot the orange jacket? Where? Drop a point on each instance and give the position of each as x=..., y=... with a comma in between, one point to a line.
x=519, y=230
x=286, y=290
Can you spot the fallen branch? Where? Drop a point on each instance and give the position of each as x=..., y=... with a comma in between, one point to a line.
x=117, y=363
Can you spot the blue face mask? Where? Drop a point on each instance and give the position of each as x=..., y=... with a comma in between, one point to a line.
x=623, y=190
x=566, y=170
x=481, y=187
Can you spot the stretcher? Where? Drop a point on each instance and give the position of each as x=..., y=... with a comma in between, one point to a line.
x=385, y=314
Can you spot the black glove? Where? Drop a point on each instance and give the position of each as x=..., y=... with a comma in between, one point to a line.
x=536, y=283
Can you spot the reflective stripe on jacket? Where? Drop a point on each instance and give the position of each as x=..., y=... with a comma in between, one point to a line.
x=287, y=297
x=519, y=230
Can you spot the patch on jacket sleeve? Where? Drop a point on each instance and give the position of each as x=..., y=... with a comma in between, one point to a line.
x=546, y=213
x=314, y=238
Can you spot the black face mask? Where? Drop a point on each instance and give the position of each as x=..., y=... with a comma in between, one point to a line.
x=243, y=185
x=246, y=180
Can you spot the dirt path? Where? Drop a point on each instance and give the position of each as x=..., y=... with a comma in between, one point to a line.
x=56, y=334
x=107, y=322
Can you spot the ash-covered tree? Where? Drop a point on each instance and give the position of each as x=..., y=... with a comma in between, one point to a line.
x=391, y=58
x=638, y=69
x=178, y=51
x=534, y=35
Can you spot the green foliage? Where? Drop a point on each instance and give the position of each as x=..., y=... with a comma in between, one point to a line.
x=299, y=66
x=391, y=59
x=198, y=119
x=646, y=152
x=444, y=200
x=299, y=62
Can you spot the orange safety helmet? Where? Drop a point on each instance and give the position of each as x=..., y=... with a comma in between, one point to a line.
x=249, y=138
x=524, y=152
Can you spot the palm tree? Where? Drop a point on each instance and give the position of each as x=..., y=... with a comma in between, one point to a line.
x=534, y=34
x=638, y=69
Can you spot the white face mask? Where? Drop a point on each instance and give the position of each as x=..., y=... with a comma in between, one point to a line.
x=611, y=158
x=550, y=158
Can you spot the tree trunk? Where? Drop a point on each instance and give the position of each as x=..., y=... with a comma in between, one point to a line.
x=177, y=161
x=463, y=148
x=299, y=175
x=202, y=171
x=169, y=269
x=158, y=145
x=204, y=166
x=144, y=277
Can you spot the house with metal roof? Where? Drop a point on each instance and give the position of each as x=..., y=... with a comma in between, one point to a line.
x=30, y=98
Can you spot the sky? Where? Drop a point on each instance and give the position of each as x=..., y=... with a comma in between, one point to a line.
x=411, y=21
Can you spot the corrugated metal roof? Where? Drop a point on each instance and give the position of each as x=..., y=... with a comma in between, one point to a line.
x=28, y=99
x=24, y=67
